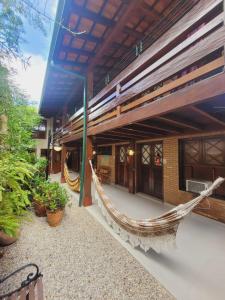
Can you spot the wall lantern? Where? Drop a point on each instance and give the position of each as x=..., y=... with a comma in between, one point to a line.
x=130, y=151
x=57, y=147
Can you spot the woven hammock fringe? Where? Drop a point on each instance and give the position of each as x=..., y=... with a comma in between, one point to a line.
x=157, y=243
x=156, y=233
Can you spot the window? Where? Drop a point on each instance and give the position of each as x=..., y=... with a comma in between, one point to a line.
x=122, y=154
x=40, y=131
x=146, y=154
x=203, y=159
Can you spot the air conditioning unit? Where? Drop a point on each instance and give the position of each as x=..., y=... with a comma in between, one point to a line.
x=197, y=186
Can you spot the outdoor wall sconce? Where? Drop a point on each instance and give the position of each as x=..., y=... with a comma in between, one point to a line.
x=94, y=152
x=57, y=147
x=130, y=151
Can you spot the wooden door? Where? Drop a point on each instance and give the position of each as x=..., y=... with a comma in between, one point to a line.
x=150, y=169
x=121, y=165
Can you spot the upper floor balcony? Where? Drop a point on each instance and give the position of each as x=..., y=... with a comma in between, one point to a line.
x=147, y=62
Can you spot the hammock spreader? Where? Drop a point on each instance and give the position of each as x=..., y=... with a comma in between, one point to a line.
x=74, y=184
x=155, y=233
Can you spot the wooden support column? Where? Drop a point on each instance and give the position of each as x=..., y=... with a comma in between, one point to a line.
x=63, y=158
x=87, y=200
x=88, y=175
x=131, y=169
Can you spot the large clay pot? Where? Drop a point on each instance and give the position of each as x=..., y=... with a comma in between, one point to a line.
x=39, y=209
x=6, y=240
x=54, y=218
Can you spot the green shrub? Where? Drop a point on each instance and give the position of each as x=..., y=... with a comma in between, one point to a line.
x=56, y=196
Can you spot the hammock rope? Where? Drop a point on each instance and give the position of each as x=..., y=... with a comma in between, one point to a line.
x=74, y=184
x=153, y=233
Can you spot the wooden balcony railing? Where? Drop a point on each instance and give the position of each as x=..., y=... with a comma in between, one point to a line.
x=192, y=50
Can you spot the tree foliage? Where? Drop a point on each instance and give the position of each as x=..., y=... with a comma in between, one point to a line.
x=21, y=118
x=12, y=16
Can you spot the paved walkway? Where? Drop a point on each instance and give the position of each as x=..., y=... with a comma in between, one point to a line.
x=81, y=260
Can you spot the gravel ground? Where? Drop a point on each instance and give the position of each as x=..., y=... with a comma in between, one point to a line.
x=81, y=260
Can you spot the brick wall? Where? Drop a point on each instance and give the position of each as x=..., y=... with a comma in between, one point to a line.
x=212, y=208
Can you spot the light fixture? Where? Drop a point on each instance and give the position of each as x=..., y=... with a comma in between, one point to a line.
x=57, y=147
x=130, y=151
x=94, y=152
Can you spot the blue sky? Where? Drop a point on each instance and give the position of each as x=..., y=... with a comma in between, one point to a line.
x=30, y=80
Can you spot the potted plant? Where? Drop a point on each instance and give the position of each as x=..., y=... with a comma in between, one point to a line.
x=56, y=199
x=38, y=194
x=9, y=229
x=39, y=204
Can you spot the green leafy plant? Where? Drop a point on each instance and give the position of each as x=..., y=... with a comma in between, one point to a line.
x=56, y=196
x=41, y=165
x=15, y=177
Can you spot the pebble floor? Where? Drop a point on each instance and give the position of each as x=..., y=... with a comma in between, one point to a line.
x=81, y=260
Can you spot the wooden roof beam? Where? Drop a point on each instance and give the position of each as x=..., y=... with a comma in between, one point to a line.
x=70, y=63
x=77, y=51
x=207, y=115
x=129, y=10
x=179, y=123
x=84, y=12
x=157, y=128
x=133, y=33
x=142, y=132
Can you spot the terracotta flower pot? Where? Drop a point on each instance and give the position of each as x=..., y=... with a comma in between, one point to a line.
x=55, y=218
x=39, y=209
x=6, y=240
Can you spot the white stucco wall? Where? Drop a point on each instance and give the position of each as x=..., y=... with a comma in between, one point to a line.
x=43, y=143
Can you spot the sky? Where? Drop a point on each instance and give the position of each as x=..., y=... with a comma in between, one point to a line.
x=37, y=46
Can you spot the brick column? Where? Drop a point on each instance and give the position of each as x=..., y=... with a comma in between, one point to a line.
x=171, y=170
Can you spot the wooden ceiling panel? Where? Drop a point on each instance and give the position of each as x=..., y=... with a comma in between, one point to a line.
x=73, y=21
x=71, y=56
x=66, y=39
x=77, y=43
x=90, y=46
x=129, y=41
x=83, y=58
x=111, y=8
x=143, y=26
x=161, y=5
x=98, y=30
x=85, y=25
x=94, y=5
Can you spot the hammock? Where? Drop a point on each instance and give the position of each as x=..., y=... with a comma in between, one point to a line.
x=155, y=233
x=74, y=184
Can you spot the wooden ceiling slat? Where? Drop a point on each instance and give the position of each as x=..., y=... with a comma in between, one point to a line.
x=83, y=12
x=207, y=115
x=179, y=123
x=77, y=51
x=168, y=130
x=130, y=8
x=70, y=63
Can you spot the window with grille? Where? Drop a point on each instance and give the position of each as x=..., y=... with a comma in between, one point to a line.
x=122, y=154
x=203, y=159
x=146, y=154
x=158, y=154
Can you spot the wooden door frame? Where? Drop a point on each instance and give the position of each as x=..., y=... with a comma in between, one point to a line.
x=138, y=166
x=116, y=164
